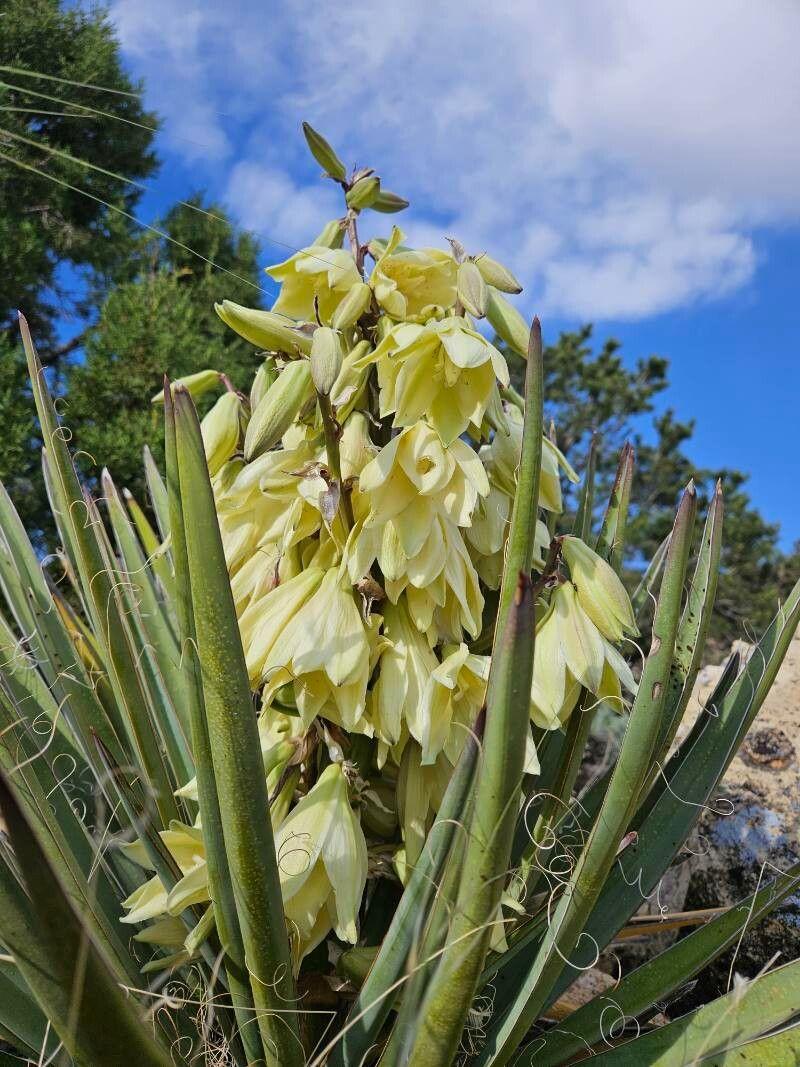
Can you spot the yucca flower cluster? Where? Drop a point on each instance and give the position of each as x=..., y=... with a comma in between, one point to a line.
x=310, y=720
x=364, y=492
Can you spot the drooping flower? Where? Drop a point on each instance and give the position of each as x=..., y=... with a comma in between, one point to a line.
x=327, y=650
x=322, y=862
x=314, y=275
x=443, y=370
x=454, y=694
x=570, y=652
x=501, y=458
x=488, y=531
x=151, y=900
x=412, y=283
x=258, y=503
x=419, y=493
x=396, y=699
x=600, y=591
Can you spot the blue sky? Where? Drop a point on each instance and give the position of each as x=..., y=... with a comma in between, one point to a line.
x=635, y=163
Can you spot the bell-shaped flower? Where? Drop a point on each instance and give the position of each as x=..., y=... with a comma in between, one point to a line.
x=420, y=789
x=501, y=458
x=259, y=504
x=570, y=652
x=412, y=283
x=265, y=620
x=151, y=900
x=601, y=593
x=404, y=667
x=444, y=371
x=454, y=694
x=418, y=493
x=322, y=863
x=415, y=477
x=314, y=276
x=327, y=650
x=487, y=535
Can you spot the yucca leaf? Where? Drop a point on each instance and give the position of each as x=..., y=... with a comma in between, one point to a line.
x=695, y=623
x=497, y=793
x=597, y=858
x=611, y=539
x=158, y=494
x=660, y=976
x=779, y=1050
x=519, y=549
x=219, y=876
x=71, y=978
x=236, y=751
x=582, y=526
x=62, y=837
x=376, y=996
x=751, y=1009
x=102, y=595
x=665, y=821
x=644, y=590
x=30, y=693
x=160, y=656
x=22, y=1022
x=31, y=604
x=156, y=552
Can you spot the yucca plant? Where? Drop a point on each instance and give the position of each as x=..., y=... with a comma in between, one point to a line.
x=288, y=774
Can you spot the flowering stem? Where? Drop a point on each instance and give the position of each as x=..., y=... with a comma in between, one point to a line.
x=331, y=430
x=355, y=245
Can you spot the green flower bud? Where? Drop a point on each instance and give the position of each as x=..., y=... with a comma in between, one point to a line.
x=331, y=235
x=220, y=430
x=388, y=203
x=325, y=359
x=352, y=307
x=496, y=274
x=364, y=193
x=263, y=328
x=276, y=412
x=471, y=289
x=265, y=376
x=355, y=963
x=194, y=384
x=324, y=154
x=507, y=322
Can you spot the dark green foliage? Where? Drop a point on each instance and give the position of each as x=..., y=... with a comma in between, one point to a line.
x=19, y=461
x=43, y=224
x=161, y=320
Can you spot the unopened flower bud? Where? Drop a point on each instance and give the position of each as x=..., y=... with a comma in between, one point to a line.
x=352, y=307
x=495, y=274
x=325, y=359
x=264, y=328
x=364, y=193
x=278, y=409
x=507, y=322
x=388, y=203
x=265, y=376
x=331, y=235
x=324, y=154
x=471, y=289
x=600, y=592
x=194, y=384
x=220, y=429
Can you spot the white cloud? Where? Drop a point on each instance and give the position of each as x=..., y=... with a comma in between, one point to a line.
x=619, y=154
